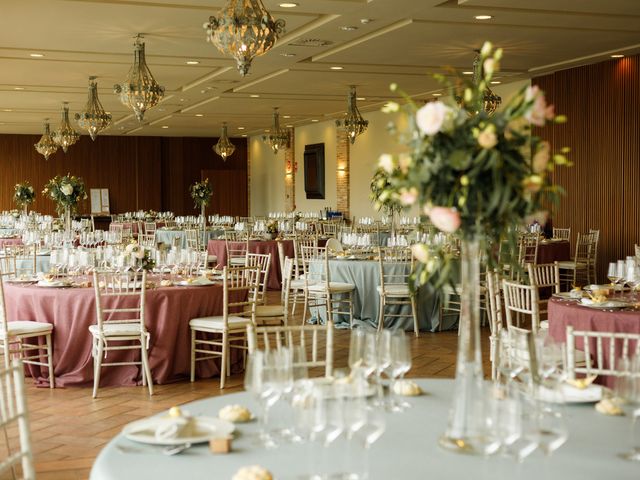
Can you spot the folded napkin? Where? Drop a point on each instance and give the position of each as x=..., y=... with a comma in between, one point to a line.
x=171, y=428
x=254, y=472
x=235, y=414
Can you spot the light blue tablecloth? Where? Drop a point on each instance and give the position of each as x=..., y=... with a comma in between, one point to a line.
x=43, y=263
x=168, y=236
x=365, y=275
x=408, y=449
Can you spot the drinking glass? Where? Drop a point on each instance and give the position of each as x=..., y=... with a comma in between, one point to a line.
x=400, y=364
x=362, y=351
x=612, y=274
x=552, y=430
x=627, y=388
x=370, y=432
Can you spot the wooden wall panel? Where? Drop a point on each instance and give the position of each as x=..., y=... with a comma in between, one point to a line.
x=602, y=104
x=140, y=172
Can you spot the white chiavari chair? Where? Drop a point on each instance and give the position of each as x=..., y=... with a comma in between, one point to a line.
x=593, y=263
x=578, y=271
x=240, y=289
x=237, y=245
x=521, y=300
x=494, y=299
x=544, y=276
x=120, y=322
x=150, y=227
x=562, y=233
x=394, y=266
x=263, y=262
x=14, y=415
x=308, y=337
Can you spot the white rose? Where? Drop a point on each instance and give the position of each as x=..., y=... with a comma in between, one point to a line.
x=408, y=197
x=386, y=162
x=487, y=138
x=432, y=116
x=420, y=252
x=66, y=188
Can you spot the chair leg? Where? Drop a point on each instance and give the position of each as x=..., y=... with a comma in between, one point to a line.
x=381, y=314
x=414, y=314
x=304, y=310
x=223, y=362
x=145, y=364
x=52, y=381
x=97, y=364
x=193, y=355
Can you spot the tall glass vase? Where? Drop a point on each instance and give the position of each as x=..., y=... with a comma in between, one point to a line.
x=67, y=223
x=25, y=209
x=203, y=207
x=468, y=429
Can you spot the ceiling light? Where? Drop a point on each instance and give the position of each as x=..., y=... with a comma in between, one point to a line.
x=140, y=91
x=496, y=82
x=93, y=119
x=254, y=96
x=36, y=55
x=353, y=124
x=617, y=55
x=65, y=136
x=289, y=126
x=18, y=88
x=315, y=120
x=244, y=134
x=467, y=73
x=483, y=17
x=224, y=147
x=46, y=146
x=244, y=29
x=279, y=137
x=361, y=99
x=348, y=28
x=288, y=5
x=287, y=54
x=192, y=62
x=7, y=110
x=489, y=102
x=240, y=128
x=437, y=94
x=199, y=115
x=365, y=21
x=165, y=126
x=336, y=68
x=286, y=116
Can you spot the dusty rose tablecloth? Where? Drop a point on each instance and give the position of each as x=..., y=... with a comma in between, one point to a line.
x=563, y=313
x=72, y=310
x=550, y=252
x=9, y=242
x=219, y=249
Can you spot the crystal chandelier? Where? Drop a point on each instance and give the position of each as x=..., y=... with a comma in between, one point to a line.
x=224, y=147
x=490, y=101
x=278, y=137
x=353, y=123
x=93, y=119
x=244, y=29
x=46, y=146
x=65, y=136
x=140, y=91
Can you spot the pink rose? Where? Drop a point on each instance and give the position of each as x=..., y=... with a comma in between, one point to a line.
x=408, y=197
x=541, y=158
x=445, y=219
x=420, y=252
x=539, y=111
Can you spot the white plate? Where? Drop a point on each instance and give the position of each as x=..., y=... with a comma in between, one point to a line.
x=43, y=283
x=591, y=394
x=22, y=280
x=196, y=283
x=607, y=305
x=566, y=296
x=144, y=431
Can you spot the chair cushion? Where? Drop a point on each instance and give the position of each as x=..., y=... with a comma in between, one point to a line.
x=334, y=287
x=297, y=284
x=394, y=290
x=217, y=322
x=237, y=261
x=24, y=327
x=269, y=310
x=116, y=329
x=569, y=265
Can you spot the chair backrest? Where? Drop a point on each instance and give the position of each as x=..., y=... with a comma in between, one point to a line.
x=120, y=298
x=637, y=251
x=521, y=299
x=4, y=276
x=610, y=348
x=315, y=265
x=522, y=351
x=309, y=337
x=263, y=262
x=115, y=227
x=299, y=242
x=334, y=245
x=528, y=248
x=585, y=248
x=149, y=227
x=545, y=275
x=13, y=414
x=329, y=229
x=20, y=259
x=494, y=297
x=562, y=233
x=192, y=239
x=394, y=265
x=147, y=239
x=240, y=291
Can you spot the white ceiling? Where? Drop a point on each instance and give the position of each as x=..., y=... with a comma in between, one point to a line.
x=404, y=42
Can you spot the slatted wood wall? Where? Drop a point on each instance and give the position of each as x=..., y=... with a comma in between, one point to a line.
x=602, y=102
x=140, y=172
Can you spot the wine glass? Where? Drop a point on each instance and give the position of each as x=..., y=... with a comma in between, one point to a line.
x=552, y=430
x=362, y=351
x=528, y=438
x=399, y=365
x=612, y=274
x=370, y=432
x=627, y=388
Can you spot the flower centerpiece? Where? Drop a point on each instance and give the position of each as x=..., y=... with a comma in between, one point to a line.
x=201, y=193
x=380, y=194
x=271, y=229
x=66, y=191
x=24, y=195
x=478, y=177
x=140, y=256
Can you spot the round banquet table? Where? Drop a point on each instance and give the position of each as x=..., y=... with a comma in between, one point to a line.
x=72, y=310
x=171, y=236
x=406, y=451
x=568, y=312
x=219, y=249
x=550, y=251
x=10, y=242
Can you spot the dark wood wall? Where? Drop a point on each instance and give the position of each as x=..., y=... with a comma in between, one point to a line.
x=140, y=172
x=602, y=102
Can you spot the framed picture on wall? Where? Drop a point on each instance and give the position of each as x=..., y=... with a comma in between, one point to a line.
x=314, y=170
x=99, y=201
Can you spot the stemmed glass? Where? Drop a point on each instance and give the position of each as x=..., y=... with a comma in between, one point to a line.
x=612, y=274
x=370, y=432
x=400, y=364
x=627, y=388
x=362, y=351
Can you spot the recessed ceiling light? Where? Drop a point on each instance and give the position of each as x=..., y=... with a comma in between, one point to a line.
x=244, y=135
x=288, y=5
x=467, y=73
x=364, y=21
x=165, y=126
x=361, y=99
x=348, y=28
x=286, y=116
x=7, y=110
x=254, y=96
x=289, y=126
x=266, y=130
x=437, y=94
x=192, y=62
x=36, y=55
x=240, y=128
x=617, y=55
x=483, y=17
x=18, y=88
x=315, y=120
x=199, y=115
x=287, y=54
x=496, y=82
x=336, y=68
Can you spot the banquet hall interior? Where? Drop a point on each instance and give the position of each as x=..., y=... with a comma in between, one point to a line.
x=320, y=239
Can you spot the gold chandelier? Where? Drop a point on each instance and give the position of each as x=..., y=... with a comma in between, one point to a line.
x=140, y=91
x=224, y=147
x=490, y=101
x=244, y=29
x=278, y=138
x=93, y=119
x=46, y=146
x=353, y=123
x=65, y=136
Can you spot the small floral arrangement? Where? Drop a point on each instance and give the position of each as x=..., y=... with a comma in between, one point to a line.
x=66, y=191
x=24, y=194
x=476, y=176
x=381, y=196
x=141, y=254
x=272, y=227
x=201, y=193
